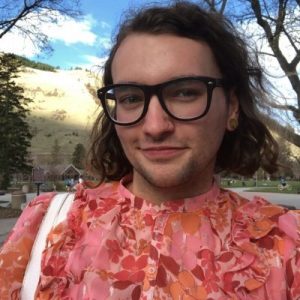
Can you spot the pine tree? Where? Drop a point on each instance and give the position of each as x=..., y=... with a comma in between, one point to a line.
x=56, y=158
x=15, y=136
x=78, y=156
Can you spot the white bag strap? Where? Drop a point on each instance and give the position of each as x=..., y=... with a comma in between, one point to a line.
x=56, y=213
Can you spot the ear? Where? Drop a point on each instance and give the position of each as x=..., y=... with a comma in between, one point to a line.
x=233, y=112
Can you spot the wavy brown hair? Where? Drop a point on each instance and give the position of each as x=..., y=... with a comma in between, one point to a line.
x=242, y=151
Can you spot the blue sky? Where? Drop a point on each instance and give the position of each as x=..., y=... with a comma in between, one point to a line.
x=81, y=43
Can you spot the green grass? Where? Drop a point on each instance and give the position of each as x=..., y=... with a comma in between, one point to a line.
x=263, y=186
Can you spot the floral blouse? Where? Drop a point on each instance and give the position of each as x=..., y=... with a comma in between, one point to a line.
x=114, y=245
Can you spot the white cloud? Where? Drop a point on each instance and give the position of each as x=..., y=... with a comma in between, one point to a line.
x=105, y=25
x=283, y=91
x=94, y=61
x=65, y=29
x=14, y=42
x=70, y=31
x=105, y=43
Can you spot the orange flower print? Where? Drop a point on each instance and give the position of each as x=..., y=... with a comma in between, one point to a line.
x=186, y=288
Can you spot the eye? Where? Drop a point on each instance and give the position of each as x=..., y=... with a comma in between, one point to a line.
x=128, y=95
x=187, y=92
x=129, y=99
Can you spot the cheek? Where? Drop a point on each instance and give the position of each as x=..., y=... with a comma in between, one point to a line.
x=210, y=130
x=125, y=136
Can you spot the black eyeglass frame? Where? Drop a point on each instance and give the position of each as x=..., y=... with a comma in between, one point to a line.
x=150, y=90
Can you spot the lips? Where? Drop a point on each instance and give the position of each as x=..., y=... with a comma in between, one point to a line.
x=162, y=152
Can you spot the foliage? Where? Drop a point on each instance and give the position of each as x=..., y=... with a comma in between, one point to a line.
x=55, y=154
x=26, y=16
x=34, y=65
x=278, y=26
x=14, y=129
x=78, y=156
x=285, y=158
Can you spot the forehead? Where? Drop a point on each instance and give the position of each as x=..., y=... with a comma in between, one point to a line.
x=150, y=59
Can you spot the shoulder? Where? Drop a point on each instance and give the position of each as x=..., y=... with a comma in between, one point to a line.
x=16, y=250
x=28, y=223
x=259, y=224
x=270, y=235
x=89, y=198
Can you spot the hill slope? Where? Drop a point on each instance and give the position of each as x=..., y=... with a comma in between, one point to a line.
x=62, y=108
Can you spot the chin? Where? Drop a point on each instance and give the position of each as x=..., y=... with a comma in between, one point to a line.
x=166, y=179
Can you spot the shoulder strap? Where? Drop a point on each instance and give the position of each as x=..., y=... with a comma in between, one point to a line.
x=56, y=213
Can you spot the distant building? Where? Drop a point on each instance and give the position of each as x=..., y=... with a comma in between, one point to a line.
x=71, y=172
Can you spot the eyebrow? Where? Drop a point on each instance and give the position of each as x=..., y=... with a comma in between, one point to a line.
x=169, y=79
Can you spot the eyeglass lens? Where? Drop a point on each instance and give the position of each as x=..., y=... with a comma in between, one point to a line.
x=184, y=99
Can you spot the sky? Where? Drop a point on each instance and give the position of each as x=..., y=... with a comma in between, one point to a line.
x=76, y=43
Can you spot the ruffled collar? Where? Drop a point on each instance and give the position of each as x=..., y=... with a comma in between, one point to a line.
x=187, y=204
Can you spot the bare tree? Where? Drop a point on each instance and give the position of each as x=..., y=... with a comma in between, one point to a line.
x=25, y=16
x=279, y=21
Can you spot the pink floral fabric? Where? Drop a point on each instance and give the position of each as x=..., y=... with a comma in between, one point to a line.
x=114, y=245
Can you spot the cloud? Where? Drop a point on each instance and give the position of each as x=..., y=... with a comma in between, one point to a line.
x=105, y=25
x=70, y=31
x=90, y=62
x=282, y=89
x=104, y=43
x=14, y=42
x=65, y=29
x=94, y=61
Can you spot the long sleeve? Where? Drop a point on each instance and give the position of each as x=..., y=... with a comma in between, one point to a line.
x=15, y=252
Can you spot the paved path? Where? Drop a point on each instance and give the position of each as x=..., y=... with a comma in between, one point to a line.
x=278, y=198
x=7, y=224
x=285, y=199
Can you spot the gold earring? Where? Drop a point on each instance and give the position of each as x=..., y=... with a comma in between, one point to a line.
x=233, y=124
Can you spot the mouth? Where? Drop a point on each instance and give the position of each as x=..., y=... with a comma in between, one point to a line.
x=162, y=152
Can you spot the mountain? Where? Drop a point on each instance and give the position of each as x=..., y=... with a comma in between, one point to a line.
x=64, y=108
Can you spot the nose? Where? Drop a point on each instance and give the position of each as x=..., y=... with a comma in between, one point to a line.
x=157, y=123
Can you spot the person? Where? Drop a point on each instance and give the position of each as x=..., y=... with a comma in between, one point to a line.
x=180, y=104
x=68, y=185
x=80, y=180
x=282, y=181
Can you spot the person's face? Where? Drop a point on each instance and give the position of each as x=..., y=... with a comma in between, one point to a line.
x=170, y=158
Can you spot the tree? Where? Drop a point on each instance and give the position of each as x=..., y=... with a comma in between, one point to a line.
x=56, y=158
x=286, y=158
x=14, y=129
x=279, y=22
x=25, y=16
x=78, y=156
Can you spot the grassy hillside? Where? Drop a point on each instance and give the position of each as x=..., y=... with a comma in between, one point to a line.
x=63, y=108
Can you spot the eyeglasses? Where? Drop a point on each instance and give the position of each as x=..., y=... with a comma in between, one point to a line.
x=184, y=99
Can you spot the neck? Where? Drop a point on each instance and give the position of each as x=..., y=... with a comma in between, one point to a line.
x=159, y=194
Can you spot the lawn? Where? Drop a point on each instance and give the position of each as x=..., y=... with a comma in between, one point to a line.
x=269, y=186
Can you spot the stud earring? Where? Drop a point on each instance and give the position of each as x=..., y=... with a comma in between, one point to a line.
x=233, y=124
